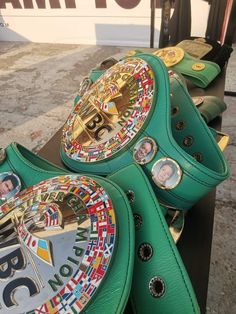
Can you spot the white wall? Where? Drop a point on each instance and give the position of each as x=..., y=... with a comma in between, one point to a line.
x=88, y=24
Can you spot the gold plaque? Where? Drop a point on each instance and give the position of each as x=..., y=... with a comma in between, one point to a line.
x=170, y=55
x=198, y=66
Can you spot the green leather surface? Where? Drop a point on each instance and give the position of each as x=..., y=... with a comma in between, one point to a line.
x=200, y=78
x=166, y=263
x=114, y=292
x=198, y=178
x=211, y=108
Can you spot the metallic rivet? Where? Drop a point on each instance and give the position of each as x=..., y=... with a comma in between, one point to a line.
x=138, y=221
x=198, y=156
x=157, y=287
x=2, y=155
x=188, y=141
x=174, y=110
x=145, y=252
x=180, y=125
x=131, y=196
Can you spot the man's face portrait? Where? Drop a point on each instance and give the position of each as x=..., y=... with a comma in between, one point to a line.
x=144, y=151
x=9, y=185
x=166, y=173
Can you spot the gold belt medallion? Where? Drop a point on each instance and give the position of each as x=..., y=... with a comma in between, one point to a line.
x=170, y=55
x=109, y=115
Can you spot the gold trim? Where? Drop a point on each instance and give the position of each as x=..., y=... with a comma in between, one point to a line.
x=175, y=220
x=223, y=141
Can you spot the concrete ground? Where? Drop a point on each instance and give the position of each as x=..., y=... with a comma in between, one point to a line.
x=38, y=84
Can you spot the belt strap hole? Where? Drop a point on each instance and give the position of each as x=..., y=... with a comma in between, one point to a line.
x=198, y=156
x=145, y=252
x=174, y=110
x=131, y=196
x=180, y=125
x=138, y=221
x=188, y=141
x=157, y=287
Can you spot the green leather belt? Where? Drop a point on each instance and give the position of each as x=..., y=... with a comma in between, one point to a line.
x=200, y=73
x=102, y=216
x=126, y=117
x=89, y=220
x=160, y=280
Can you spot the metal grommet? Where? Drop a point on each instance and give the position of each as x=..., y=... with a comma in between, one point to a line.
x=198, y=156
x=157, y=287
x=188, y=141
x=131, y=196
x=174, y=110
x=2, y=155
x=180, y=125
x=138, y=221
x=145, y=252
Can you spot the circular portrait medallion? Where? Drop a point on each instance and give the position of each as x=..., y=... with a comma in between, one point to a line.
x=144, y=150
x=10, y=185
x=57, y=239
x=166, y=173
x=110, y=114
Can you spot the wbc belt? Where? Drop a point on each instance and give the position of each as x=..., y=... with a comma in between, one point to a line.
x=126, y=117
x=66, y=240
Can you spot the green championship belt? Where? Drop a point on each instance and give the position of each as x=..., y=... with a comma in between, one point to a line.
x=89, y=220
x=126, y=117
x=66, y=240
x=200, y=72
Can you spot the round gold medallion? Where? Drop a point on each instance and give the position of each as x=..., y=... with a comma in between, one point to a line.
x=170, y=55
x=198, y=66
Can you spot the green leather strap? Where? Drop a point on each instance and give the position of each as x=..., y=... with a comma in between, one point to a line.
x=199, y=72
x=180, y=134
x=113, y=294
x=201, y=78
x=160, y=281
x=210, y=107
